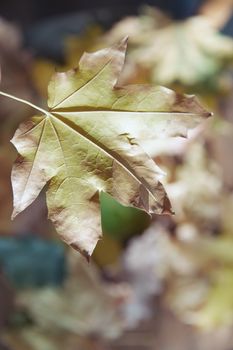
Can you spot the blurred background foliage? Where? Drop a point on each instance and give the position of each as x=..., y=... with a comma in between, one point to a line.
x=153, y=283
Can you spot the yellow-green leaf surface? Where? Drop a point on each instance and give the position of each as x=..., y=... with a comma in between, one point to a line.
x=90, y=141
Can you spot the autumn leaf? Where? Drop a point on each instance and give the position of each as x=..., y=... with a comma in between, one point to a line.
x=189, y=53
x=56, y=324
x=181, y=53
x=90, y=140
x=88, y=296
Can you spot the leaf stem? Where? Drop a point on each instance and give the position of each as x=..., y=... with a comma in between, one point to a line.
x=24, y=101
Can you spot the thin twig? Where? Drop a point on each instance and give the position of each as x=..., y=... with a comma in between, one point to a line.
x=24, y=101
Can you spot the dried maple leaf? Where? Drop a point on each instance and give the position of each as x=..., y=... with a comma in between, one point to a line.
x=86, y=143
x=189, y=53
x=88, y=296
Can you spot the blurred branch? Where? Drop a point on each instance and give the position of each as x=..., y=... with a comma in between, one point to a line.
x=217, y=11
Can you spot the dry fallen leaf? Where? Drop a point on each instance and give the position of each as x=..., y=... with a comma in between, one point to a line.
x=88, y=296
x=190, y=53
x=88, y=142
